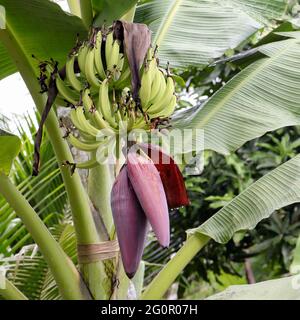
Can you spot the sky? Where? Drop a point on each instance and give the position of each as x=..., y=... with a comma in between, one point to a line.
x=15, y=99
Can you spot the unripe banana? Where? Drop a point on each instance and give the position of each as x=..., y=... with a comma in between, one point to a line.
x=161, y=92
x=71, y=76
x=65, y=92
x=89, y=164
x=82, y=57
x=112, y=50
x=75, y=121
x=90, y=69
x=156, y=85
x=59, y=101
x=139, y=124
x=146, y=83
x=104, y=104
x=145, y=89
x=98, y=57
x=121, y=62
x=86, y=125
x=81, y=123
x=95, y=116
x=167, y=95
x=87, y=101
x=118, y=70
x=100, y=122
x=167, y=111
x=84, y=146
x=124, y=79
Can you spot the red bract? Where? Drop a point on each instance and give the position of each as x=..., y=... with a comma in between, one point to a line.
x=170, y=175
x=143, y=191
x=149, y=189
x=130, y=221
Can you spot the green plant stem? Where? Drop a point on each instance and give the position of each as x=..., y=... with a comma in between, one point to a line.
x=74, y=6
x=99, y=194
x=86, y=12
x=99, y=188
x=83, y=220
x=157, y=288
x=10, y=292
x=86, y=232
x=63, y=270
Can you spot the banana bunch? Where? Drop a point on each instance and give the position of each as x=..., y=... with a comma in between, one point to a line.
x=157, y=92
x=97, y=84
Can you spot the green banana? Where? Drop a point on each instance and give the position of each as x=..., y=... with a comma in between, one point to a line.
x=105, y=105
x=100, y=122
x=139, y=124
x=82, y=124
x=90, y=69
x=146, y=83
x=124, y=79
x=74, y=119
x=162, y=88
x=112, y=50
x=168, y=110
x=85, y=124
x=65, y=92
x=82, y=57
x=84, y=146
x=98, y=58
x=160, y=105
x=71, y=76
x=89, y=164
x=94, y=114
x=156, y=85
x=87, y=101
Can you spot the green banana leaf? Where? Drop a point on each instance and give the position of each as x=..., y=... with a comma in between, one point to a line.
x=46, y=193
x=7, y=66
x=275, y=190
x=29, y=272
x=9, y=148
x=262, y=97
x=278, y=289
x=108, y=10
x=192, y=32
x=39, y=27
x=263, y=10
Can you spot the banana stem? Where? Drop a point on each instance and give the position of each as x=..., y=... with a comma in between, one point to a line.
x=86, y=12
x=63, y=270
x=99, y=189
x=169, y=273
x=85, y=228
x=10, y=292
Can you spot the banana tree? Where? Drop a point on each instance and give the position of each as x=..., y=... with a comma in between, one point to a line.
x=110, y=72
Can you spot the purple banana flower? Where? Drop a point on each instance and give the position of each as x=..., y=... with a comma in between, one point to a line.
x=170, y=175
x=130, y=221
x=144, y=191
x=149, y=189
